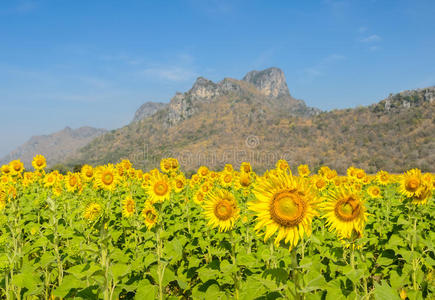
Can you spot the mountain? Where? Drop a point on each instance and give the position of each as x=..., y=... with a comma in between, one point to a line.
x=55, y=147
x=256, y=119
x=147, y=109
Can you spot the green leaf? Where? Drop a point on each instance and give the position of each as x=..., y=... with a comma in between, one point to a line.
x=28, y=280
x=277, y=274
x=227, y=268
x=384, y=291
x=119, y=270
x=205, y=274
x=251, y=289
x=314, y=282
x=213, y=292
x=354, y=275
x=146, y=290
x=68, y=284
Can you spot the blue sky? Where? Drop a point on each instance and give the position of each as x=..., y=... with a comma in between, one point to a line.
x=76, y=63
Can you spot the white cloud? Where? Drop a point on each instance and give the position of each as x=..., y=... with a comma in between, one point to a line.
x=371, y=39
x=362, y=29
x=171, y=73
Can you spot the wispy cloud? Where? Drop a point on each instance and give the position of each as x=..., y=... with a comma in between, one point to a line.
x=20, y=7
x=362, y=29
x=181, y=68
x=214, y=7
x=170, y=73
x=123, y=58
x=321, y=68
x=371, y=39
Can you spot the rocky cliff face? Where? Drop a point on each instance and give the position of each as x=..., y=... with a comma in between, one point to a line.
x=405, y=100
x=271, y=82
x=147, y=109
x=269, y=85
x=55, y=147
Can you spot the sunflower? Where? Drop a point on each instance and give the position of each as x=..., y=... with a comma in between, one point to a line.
x=149, y=214
x=411, y=183
x=4, y=179
x=3, y=197
x=374, y=191
x=39, y=162
x=323, y=170
x=92, y=211
x=226, y=179
x=179, y=183
x=360, y=175
x=282, y=165
x=351, y=171
x=228, y=168
x=175, y=165
x=330, y=175
x=319, y=182
x=126, y=164
x=424, y=195
x=87, y=173
x=128, y=206
x=16, y=167
x=213, y=176
x=245, y=167
x=205, y=187
x=203, y=171
x=285, y=204
x=303, y=170
x=221, y=210
x=337, y=181
x=344, y=211
x=106, y=177
x=194, y=181
x=72, y=182
x=166, y=165
x=6, y=169
x=50, y=179
x=382, y=177
x=159, y=188
x=198, y=198
x=428, y=180
x=244, y=181
x=57, y=191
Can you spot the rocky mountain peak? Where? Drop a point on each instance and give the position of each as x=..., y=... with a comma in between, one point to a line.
x=405, y=100
x=203, y=88
x=270, y=82
x=147, y=109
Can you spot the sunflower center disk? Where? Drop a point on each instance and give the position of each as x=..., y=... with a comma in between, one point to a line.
x=160, y=188
x=107, y=178
x=223, y=210
x=413, y=184
x=287, y=209
x=347, y=210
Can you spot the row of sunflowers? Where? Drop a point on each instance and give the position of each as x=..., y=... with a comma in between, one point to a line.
x=113, y=231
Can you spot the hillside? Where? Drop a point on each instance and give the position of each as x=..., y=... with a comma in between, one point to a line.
x=55, y=147
x=257, y=120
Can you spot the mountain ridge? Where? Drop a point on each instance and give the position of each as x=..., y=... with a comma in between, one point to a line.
x=212, y=119
x=55, y=146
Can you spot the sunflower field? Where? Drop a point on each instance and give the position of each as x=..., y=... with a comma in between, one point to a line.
x=114, y=232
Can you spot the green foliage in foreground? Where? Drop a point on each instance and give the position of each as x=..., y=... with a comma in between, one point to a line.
x=49, y=250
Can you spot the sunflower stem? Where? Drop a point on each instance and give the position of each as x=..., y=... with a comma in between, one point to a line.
x=414, y=260
x=159, y=251
x=295, y=273
x=233, y=259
